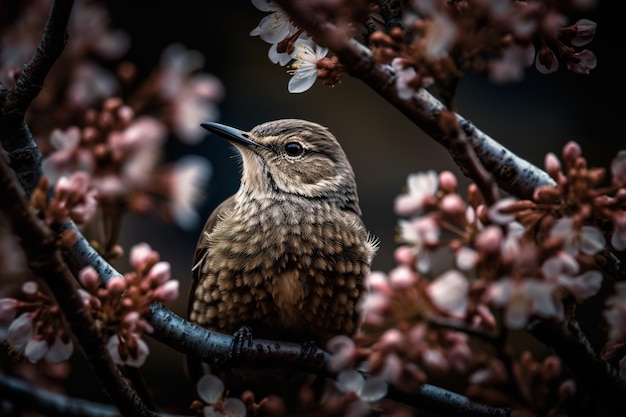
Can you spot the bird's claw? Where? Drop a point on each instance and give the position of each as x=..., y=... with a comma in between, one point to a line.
x=242, y=339
x=307, y=353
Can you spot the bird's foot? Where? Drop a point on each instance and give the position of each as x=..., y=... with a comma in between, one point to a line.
x=242, y=339
x=308, y=353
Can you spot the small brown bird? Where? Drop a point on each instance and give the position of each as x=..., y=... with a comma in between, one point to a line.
x=287, y=253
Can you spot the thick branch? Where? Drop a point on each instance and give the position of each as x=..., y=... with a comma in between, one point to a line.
x=45, y=261
x=15, y=137
x=512, y=173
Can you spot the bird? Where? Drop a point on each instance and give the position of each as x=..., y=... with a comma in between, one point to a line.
x=286, y=255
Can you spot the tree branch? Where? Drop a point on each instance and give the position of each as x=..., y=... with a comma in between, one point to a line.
x=28, y=397
x=44, y=259
x=15, y=137
x=597, y=378
x=216, y=349
x=512, y=173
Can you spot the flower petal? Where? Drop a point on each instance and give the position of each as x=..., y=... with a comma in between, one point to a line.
x=210, y=388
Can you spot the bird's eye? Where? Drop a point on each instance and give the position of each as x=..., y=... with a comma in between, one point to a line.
x=294, y=149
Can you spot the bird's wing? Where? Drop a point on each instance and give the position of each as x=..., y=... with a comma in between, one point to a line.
x=202, y=247
x=193, y=366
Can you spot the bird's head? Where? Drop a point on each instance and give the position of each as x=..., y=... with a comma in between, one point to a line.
x=292, y=156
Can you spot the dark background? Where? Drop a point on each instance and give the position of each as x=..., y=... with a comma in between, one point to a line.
x=531, y=118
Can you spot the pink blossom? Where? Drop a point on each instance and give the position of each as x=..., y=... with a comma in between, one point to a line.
x=510, y=67
x=402, y=277
x=303, y=70
x=420, y=232
x=191, y=175
x=274, y=27
x=585, y=32
x=448, y=293
x=586, y=239
x=615, y=313
x=498, y=212
x=343, y=353
x=377, y=281
x=523, y=298
x=141, y=254
x=22, y=336
x=618, y=168
x=618, y=239
x=434, y=360
x=546, y=61
x=421, y=187
x=8, y=309
x=585, y=61
x=369, y=390
x=466, y=258
x=113, y=346
x=405, y=79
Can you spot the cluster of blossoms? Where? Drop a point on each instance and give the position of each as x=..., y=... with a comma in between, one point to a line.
x=119, y=306
x=106, y=124
x=121, y=154
x=33, y=326
x=306, y=61
x=434, y=42
x=351, y=395
x=74, y=199
x=438, y=41
x=76, y=81
x=213, y=402
x=467, y=269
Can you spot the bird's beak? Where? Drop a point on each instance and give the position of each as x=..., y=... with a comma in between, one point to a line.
x=231, y=134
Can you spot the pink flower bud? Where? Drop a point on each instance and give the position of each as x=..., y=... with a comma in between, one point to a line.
x=377, y=282
x=402, y=277
x=132, y=318
x=116, y=285
x=392, y=339
x=552, y=164
x=89, y=279
x=447, y=181
x=571, y=152
x=405, y=255
x=30, y=288
x=453, y=204
x=167, y=292
x=490, y=239
x=159, y=273
x=139, y=255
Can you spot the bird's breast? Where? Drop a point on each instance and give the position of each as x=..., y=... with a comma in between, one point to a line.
x=287, y=266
